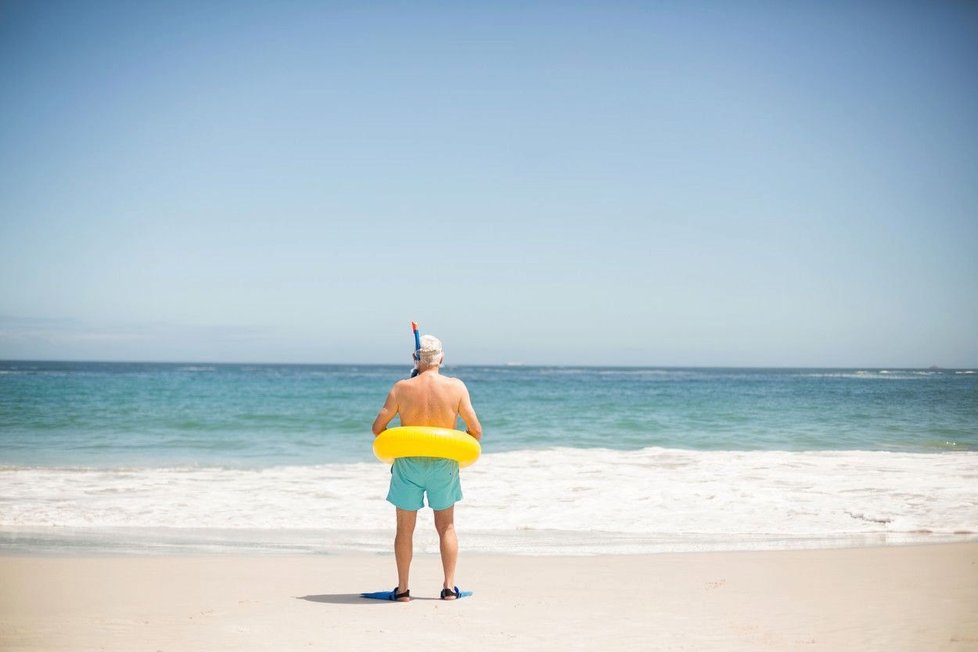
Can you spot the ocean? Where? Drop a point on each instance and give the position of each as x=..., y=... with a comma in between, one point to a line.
x=150, y=458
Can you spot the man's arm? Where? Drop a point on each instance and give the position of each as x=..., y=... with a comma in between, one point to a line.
x=387, y=413
x=467, y=412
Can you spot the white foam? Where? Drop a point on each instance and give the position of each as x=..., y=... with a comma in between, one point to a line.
x=874, y=375
x=565, y=500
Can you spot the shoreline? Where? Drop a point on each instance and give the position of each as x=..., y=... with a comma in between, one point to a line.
x=910, y=597
x=103, y=541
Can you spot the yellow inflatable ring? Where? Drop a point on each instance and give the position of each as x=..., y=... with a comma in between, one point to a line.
x=423, y=441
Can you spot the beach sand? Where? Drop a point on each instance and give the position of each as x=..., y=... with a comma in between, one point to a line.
x=922, y=597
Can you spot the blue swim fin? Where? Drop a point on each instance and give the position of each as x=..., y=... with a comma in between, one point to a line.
x=391, y=595
x=458, y=593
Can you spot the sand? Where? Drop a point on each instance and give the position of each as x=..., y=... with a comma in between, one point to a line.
x=921, y=597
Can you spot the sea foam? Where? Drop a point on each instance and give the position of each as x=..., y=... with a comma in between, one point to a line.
x=558, y=501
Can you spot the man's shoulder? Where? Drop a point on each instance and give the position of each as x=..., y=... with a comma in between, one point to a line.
x=454, y=382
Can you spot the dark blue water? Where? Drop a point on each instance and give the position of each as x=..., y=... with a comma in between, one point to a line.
x=147, y=414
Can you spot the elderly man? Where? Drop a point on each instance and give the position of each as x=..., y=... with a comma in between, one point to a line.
x=427, y=399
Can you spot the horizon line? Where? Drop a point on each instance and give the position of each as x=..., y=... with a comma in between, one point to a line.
x=504, y=365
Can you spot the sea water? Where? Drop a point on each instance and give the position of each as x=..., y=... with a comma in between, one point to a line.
x=160, y=457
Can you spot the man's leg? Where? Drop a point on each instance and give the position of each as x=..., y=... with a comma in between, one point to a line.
x=404, y=547
x=448, y=543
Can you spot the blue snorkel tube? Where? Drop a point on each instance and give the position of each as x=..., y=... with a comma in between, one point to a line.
x=417, y=348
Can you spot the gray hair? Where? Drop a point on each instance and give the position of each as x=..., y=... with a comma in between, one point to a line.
x=431, y=351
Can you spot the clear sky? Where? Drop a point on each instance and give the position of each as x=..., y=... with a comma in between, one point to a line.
x=639, y=183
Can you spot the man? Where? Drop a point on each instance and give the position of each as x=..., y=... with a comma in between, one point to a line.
x=428, y=399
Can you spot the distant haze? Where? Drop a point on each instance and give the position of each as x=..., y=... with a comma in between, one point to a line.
x=728, y=184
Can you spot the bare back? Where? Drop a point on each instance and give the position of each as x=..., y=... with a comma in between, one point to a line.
x=429, y=399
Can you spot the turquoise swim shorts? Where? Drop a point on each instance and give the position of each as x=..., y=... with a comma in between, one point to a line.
x=412, y=477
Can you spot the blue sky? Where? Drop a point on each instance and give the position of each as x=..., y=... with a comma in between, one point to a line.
x=664, y=183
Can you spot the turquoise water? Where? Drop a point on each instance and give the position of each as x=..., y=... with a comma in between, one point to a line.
x=150, y=415
x=163, y=457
